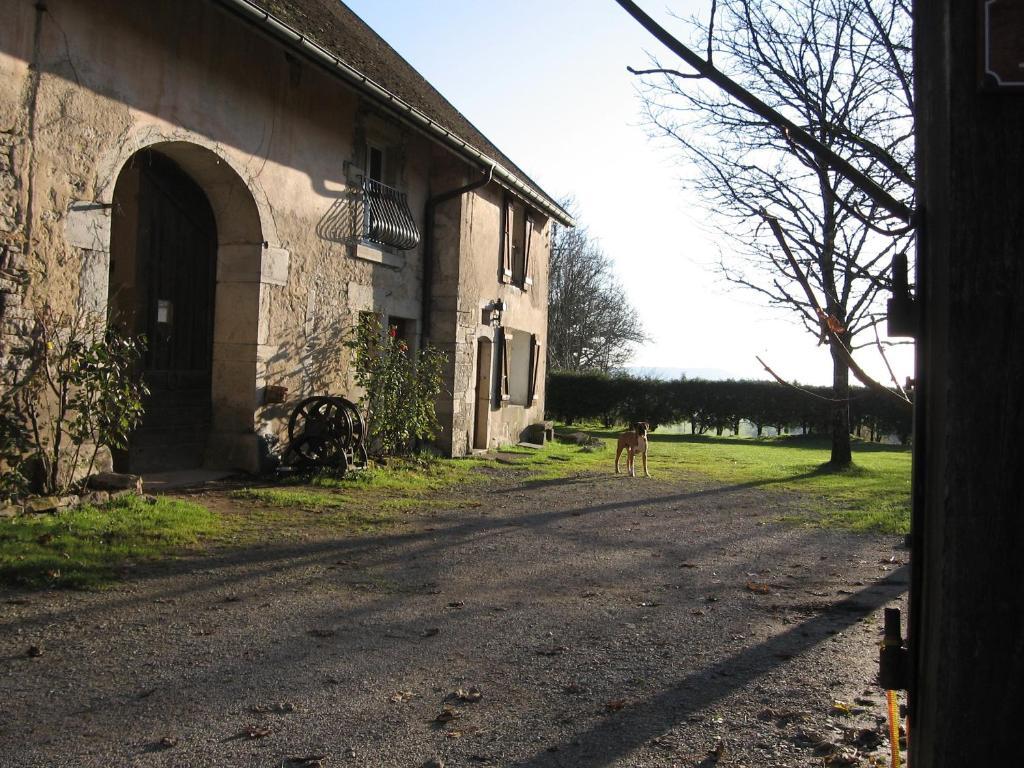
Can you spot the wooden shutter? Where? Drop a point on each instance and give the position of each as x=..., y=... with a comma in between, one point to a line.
x=505, y=336
x=506, y=246
x=534, y=368
x=527, y=243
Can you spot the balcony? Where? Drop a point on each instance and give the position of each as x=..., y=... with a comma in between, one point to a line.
x=387, y=219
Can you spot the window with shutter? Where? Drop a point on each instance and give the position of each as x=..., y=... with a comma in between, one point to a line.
x=506, y=339
x=508, y=230
x=527, y=247
x=534, y=368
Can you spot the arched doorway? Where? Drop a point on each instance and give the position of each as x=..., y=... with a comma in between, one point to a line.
x=162, y=286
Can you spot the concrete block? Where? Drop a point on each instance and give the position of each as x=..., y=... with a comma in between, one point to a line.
x=87, y=225
x=274, y=269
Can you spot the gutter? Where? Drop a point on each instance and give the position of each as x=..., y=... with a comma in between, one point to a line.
x=277, y=29
x=428, y=246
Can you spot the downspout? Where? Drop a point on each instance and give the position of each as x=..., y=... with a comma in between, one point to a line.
x=428, y=246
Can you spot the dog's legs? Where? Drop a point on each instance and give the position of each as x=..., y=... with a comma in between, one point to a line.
x=631, y=463
x=618, y=452
x=646, y=473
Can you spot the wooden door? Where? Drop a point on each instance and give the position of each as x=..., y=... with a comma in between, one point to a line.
x=176, y=254
x=484, y=349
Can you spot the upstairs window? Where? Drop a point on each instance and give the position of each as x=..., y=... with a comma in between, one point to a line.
x=375, y=163
x=517, y=243
x=387, y=219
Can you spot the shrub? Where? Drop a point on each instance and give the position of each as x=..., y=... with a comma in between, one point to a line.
x=76, y=392
x=400, y=387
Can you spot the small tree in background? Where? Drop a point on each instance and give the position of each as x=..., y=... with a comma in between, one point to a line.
x=592, y=326
x=400, y=388
x=76, y=393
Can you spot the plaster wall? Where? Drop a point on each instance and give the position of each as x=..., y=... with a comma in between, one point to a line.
x=469, y=284
x=275, y=143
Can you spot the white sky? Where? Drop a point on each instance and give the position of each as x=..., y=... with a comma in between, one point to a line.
x=546, y=81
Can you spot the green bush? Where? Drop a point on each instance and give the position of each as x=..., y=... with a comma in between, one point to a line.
x=76, y=392
x=400, y=387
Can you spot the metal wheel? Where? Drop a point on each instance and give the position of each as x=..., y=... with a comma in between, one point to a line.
x=318, y=431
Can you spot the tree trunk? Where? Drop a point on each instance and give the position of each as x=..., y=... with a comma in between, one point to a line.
x=841, y=456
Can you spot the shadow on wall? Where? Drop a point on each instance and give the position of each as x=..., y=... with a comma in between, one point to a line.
x=342, y=220
x=317, y=359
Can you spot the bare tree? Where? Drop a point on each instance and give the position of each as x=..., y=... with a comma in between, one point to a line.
x=591, y=323
x=803, y=236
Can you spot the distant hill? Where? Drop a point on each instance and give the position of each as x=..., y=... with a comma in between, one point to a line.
x=668, y=374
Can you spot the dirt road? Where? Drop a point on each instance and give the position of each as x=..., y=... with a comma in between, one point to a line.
x=595, y=621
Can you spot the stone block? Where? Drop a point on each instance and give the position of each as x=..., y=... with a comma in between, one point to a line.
x=50, y=504
x=87, y=225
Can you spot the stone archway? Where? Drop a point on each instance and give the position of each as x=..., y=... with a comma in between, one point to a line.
x=245, y=266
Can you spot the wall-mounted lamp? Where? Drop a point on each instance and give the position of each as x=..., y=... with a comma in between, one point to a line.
x=492, y=312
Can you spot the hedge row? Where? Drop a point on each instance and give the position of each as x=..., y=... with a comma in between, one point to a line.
x=717, y=405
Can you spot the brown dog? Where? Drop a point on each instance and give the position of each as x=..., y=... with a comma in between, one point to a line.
x=633, y=442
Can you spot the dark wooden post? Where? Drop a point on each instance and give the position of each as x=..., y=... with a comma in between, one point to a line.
x=967, y=597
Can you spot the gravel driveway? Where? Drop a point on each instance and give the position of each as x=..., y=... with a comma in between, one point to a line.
x=593, y=621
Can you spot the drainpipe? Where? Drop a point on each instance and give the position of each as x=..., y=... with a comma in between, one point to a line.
x=428, y=245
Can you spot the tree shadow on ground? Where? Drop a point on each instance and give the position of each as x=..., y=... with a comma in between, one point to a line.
x=637, y=725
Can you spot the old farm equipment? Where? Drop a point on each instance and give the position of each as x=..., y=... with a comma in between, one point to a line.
x=328, y=432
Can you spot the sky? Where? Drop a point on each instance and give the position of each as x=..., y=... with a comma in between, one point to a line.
x=546, y=81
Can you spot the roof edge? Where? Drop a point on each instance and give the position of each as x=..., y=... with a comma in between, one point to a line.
x=419, y=120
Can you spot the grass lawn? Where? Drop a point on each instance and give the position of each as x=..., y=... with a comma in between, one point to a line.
x=872, y=495
x=87, y=547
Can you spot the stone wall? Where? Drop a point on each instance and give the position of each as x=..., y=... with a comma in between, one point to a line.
x=14, y=315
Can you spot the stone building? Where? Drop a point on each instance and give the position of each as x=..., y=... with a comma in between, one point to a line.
x=238, y=180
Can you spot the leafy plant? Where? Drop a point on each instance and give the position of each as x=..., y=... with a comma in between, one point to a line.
x=400, y=387
x=76, y=393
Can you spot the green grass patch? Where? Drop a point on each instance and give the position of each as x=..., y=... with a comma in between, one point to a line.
x=871, y=495
x=85, y=547
x=292, y=497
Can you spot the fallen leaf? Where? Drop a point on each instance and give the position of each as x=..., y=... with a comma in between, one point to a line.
x=687, y=565
x=456, y=604
x=843, y=758
x=309, y=761
x=167, y=742
x=431, y=632
x=402, y=696
x=615, y=705
x=34, y=651
x=253, y=732
x=471, y=694
x=840, y=708
x=759, y=587
x=447, y=714
x=278, y=708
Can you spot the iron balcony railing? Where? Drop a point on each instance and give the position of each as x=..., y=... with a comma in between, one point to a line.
x=386, y=217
